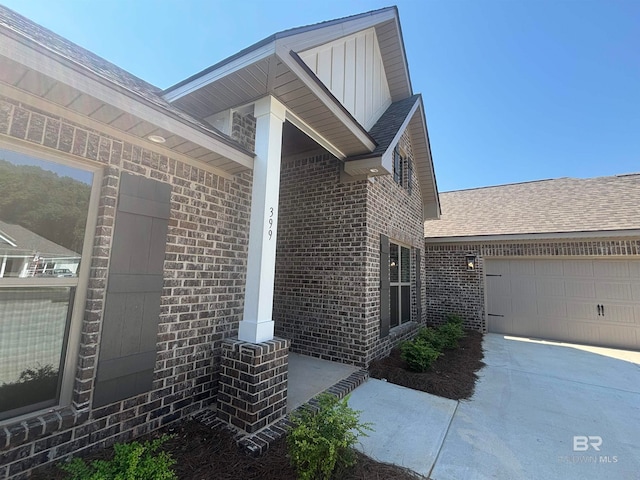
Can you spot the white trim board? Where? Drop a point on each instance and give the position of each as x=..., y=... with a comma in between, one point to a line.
x=536, y=236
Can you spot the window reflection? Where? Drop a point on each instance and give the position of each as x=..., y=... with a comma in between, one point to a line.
x=43, y=215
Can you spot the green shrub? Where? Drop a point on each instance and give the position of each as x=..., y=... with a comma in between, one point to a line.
x=322, y=441
x=449, y=334
x=419, y=354
x=432, y=337
x=131, y=461
x=454, y=318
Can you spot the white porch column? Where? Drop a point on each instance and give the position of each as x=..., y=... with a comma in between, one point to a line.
x=257, y=323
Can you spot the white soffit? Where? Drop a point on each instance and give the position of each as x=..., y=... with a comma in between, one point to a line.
x=51, y=66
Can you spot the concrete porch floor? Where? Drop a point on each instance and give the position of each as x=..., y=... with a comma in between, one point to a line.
x=309, y=376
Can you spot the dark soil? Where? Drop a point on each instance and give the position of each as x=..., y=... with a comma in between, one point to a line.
x=206, y=454
x=453, y=375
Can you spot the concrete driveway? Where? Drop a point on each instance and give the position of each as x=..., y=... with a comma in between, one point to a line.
x=541, y=410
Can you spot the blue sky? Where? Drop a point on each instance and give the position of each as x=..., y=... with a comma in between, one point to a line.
x=513, y=90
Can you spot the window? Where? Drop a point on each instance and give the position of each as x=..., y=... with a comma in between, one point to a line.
x=402, y=169
x=400, y=284
x=44, y=214
x=398, y=166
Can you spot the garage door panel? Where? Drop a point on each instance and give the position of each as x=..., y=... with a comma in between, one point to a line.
x=499, y=324
x=500, y=305
x=521, y=286
x=500, y=286
x=524, y=326
x=613, y=291
x=611, y=269
x=552, y=308
x=551, y=328
x=548, y=268
x=524, y=305
x=550, y=287
x=498, y=267
x=523, y=267
x=582, y=311
x=578, y=289
x=583, y=332
x=618, y=336
x=617, y=314
x=562, y=300
x=577, y=268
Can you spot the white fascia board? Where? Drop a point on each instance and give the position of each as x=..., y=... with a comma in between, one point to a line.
x=7, y=239
x=319, y=139
x=536, y=236
x=63, y=73
x=429, y=214
x=319, y=36
x=228, y=68
x=283, y=53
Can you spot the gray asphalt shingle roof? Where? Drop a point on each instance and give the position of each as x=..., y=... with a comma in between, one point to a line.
x=387, y=126
x=27, y=241
x=545, y=206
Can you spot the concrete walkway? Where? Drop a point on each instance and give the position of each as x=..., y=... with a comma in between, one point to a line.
x=531, y=400
x=309, y=376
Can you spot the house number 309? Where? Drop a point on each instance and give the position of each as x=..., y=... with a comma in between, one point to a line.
x=270, y=232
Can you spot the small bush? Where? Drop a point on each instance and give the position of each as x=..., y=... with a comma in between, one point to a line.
x=449, y=334
x=419, y=354
x=131, y=461
x=454, y=318
x=432, y=337
x=322, y=441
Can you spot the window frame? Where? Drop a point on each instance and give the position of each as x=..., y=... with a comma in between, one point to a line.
x=398, y=166
x=71, y=350
x=400, y=284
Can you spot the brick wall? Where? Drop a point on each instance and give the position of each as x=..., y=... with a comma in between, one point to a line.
x=393, y=211
x=204, y=278
x=319, y=280
x=451, y=288
x=243, y=130
x=328, y=258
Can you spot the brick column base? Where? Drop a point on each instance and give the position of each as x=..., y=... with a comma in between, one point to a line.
x=253, y=383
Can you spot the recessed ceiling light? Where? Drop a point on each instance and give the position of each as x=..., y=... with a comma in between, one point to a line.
x=156, y=138
x=373, y=170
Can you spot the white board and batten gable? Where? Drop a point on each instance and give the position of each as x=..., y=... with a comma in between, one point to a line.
x=352, y=69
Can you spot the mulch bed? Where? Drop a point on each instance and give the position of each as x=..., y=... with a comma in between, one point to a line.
x=453, y=375
x=203, y=453
x=206, y=454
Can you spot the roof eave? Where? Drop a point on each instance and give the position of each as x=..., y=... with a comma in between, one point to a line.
x=511, y=237
x=45, y=61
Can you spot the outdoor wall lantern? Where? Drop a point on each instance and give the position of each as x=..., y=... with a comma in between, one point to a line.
x=471, y=262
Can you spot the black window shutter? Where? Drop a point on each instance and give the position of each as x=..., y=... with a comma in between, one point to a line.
x=418, y=286
x=132, y=307
x=385, y=290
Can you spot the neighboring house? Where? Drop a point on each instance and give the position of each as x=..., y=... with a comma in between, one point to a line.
x=282, y=190
x=26, y=254
x=553, y=259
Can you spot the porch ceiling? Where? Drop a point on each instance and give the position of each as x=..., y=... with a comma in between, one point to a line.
x=274, y=76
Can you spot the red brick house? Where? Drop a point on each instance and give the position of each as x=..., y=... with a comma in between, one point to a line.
x=275, y=200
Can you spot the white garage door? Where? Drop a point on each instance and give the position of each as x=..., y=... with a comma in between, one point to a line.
x=595, y=302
